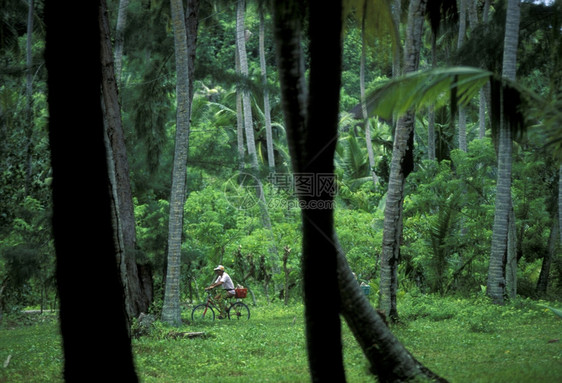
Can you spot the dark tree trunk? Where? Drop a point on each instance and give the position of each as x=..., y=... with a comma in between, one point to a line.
x=82, y=227
x=542, y=283
x=389, y=359
x=311, y=123
x=312, y=138
x=402, y=164
x=137, y=298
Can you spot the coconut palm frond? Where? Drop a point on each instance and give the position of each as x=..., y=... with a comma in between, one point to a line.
x=519, y=107
x=352, y=160
x=418, y=89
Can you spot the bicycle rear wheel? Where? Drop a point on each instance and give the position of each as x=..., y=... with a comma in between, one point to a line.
x=238, y=311
x=202, y=313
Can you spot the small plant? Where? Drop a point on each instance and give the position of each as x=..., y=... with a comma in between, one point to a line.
x=142, y=325
x=481, y=324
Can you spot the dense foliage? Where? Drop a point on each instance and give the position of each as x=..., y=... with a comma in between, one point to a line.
x=449, y=203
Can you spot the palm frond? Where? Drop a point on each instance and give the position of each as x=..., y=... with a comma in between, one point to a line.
x=419, y=89
x=352, y=159
x=519, y=107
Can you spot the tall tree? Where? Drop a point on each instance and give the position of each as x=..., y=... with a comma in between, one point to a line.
x=138, y=296
x=549, y=254
x=484, y=94
x=185, y=39
x=266, y=105
x=401, y=166
x=241, y=36
x=460, y=40
x=311, y=121
x=239, y=121
x=120, y=37
x=85, y=251
x=498, y=257
x=431, y=109
x=366, y=123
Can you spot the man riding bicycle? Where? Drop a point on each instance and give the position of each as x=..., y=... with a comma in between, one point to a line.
x=223, y=279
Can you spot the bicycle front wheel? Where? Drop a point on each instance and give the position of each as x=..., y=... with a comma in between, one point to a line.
x=202, y=313
x=239, y=311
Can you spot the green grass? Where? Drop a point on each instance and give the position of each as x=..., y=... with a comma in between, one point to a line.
x=462, y=340
x=33, y=348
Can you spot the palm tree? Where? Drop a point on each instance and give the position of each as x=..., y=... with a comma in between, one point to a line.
x=120, y=37
x=137, y=296
x=366, y=122
x=484, y=92
x=506, y=117
x=401, y=166
x=266, y=106
x=498, y=258
x=241, y=36
x=462, y=112
x=185, y=38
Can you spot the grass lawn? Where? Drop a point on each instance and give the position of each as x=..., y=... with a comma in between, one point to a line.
x=462, y=340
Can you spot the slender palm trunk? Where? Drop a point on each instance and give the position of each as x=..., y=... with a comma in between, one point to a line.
x=482, y=113
x=431, y=112
x=396, y=14
x=243, y=60
x=460, y=41
x=120, y=38
x=239, y=122
x=241, y=37
x=484, y=94
x=542, y=283
x=498, y=257
x=511, y=260
x=366, y=123
x=184, y=44
x=266, y=106
x=401, y=166
x=137, y=296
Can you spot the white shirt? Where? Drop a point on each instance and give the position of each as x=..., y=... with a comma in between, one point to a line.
x=227, y=283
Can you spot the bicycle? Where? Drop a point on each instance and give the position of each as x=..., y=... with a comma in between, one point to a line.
x=205, y=312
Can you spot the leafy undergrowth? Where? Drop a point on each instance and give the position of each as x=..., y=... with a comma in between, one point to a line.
x=462, y=340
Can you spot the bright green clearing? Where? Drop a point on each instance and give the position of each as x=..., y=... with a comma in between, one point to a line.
x=462, y=340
